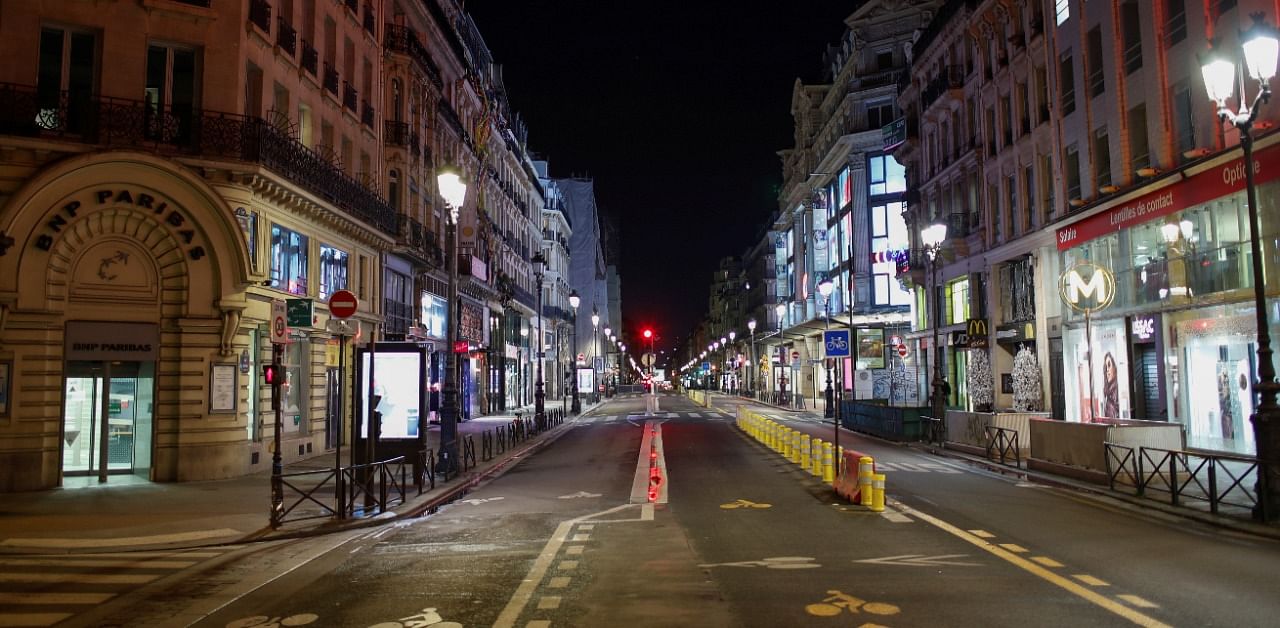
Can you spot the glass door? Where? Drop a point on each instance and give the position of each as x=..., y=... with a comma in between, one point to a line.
x=107, y=418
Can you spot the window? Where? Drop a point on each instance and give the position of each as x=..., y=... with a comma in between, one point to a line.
x=393, y=189
x=1184, y=126
x=888, y=233
x=1101, y=158
x=1029, y=188
x=957, y=301
x=880, y=114
x=884, y=59
x=1067, y=83
x=68, y=63
x=170, y=95
x=1073, y=172
x=249, y=225
x=1011, y=193
x=1132, y=28
x=887, y=175
x=333, y=271
x=252, y=90
x=305, y=125
x=993, y=202
x=1046, y=189
x=397, y=309
x=397, y=100
x=1097, y=78
x=1139, y=149
x=1061, y=10
x=288, y=260
x=1175, y=25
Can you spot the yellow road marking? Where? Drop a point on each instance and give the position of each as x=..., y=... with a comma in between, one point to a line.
x=1101, y=601
x=549, y=602
x=34, y=597
x=581, y=537
x=559, y=582
x=1046, y=561
x=538, y=623
x=1137, y=601
x=1090, y=580
x=1014, y=547
x=95, y=562
x=574, y=550
x=82, y=578
x=568, y=564
x=982, y=534
x=587, y=526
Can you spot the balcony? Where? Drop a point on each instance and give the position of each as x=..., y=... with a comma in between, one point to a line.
x=310, y=57
x=188, y=132
x=350, y=97
x=330, y=79
x=366, y=114
x=398, y=134
x=401, y=39
x=286, y=36
x=260, y=14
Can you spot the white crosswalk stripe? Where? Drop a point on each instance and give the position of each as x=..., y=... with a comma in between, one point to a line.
x=45, y=590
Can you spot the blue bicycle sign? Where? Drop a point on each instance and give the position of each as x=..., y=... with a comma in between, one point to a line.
x=836, y=343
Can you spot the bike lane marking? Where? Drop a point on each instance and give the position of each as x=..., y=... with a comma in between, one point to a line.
x=1039, y=571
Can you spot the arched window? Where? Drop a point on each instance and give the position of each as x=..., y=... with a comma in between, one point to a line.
x=393, y=188
x=397, y=101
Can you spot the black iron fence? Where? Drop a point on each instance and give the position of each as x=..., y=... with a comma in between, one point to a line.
x=1185, y=478
x=1002, y=445
x=186, y=131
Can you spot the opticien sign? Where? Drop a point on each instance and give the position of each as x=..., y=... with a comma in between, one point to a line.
x=1087, y=287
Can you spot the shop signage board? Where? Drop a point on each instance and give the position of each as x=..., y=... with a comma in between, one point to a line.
x=1196, y=189
x=1087, y=287
x=977, y=332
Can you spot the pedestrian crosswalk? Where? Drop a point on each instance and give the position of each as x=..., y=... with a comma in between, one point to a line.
x=612, y=418
x=47, y=589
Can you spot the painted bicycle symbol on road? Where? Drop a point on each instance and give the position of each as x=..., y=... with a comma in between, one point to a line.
x=428, y=617
x=837, y=603
x=266, y=621
x=742, y=503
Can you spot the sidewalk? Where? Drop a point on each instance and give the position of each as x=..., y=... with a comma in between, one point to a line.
x=131, y=515
x=1164, y=509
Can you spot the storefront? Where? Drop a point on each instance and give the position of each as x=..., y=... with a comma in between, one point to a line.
x=433, y=320
x=1177, y=342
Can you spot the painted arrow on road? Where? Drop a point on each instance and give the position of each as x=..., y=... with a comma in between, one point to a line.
x=579, y=494
x=919, y=560
x=477, y=502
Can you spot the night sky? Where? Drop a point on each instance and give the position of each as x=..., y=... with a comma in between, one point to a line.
x=676, y=110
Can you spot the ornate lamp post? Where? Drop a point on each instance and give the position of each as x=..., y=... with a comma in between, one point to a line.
x=454, y=192
x=932, y=237
x=733, y=361
x=751, y=367
x=539, y=391
x=574, y=302
x=595, y=350
x=524, y=339
x=781, y=311
x=824, y=288
x=1261, y=48
x=606, y=372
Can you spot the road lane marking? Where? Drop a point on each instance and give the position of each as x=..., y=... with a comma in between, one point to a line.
x=548, y=602
x=574, y=550
x=587, y=526
x=559, y=582
x=1090, y=580
x=581, y=537
x=79, y=578
x=1138, y=601
x=538, y=623
x=895, y=517
x=568, y=564
x=1015, y=548
x=198, y=535
x=982, y=534
x=36, y=597
x=94, y=562
x=32, y=619
x=1063, y=582
x=1046, y=561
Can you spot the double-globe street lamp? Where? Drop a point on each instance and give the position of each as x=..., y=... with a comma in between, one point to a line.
x=824, y=288
x=539, y=392
x=932, y=238
x=1261, y=47
x=454, y=192
x=574, y=302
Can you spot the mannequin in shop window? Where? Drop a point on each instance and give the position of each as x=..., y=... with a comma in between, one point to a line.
x=1110, y=387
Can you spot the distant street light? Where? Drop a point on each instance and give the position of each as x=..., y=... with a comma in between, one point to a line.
x=932, y=237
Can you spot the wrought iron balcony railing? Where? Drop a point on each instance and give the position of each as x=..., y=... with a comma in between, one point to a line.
x=402, y=39
x=286, y=36
x=350, y=97
x=186, y=131
x=260, y=14
x=310, y=57
x=366, y=113
x=330, y=78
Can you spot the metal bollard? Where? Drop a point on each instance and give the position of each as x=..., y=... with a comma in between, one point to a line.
x=877, y=492
x=805, y=455
x=828, y=469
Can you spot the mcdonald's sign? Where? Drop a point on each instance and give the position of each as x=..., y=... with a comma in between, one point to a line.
x=978, y=333
x=1087, y=287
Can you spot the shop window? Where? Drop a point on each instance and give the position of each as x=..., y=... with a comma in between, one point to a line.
x=397, y=302
x=957, y=301
x=333, y=271
x=288, y=260
x=296, y=391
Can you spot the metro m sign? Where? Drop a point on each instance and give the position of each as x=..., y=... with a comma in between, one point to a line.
x=1087, y=287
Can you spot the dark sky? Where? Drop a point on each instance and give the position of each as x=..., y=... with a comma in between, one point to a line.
x=676, y=110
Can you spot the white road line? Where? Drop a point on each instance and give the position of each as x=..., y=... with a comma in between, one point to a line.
x=31, y=619
x=197, y=535
x=895, y=516
x=587, y=526
x=1138, y=601
x=538, y=623
x=39, y=597
x=79, y=578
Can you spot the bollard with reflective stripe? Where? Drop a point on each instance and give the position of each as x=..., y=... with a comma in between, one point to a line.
x=877, y=492
x=815, y=457
x=804, y=452
x=865, y=472
x=828, y=469
x=795, y=447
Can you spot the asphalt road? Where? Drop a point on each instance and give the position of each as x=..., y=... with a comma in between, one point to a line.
x=568, y=537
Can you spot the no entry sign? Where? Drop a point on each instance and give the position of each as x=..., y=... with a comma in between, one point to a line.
x=343, y=304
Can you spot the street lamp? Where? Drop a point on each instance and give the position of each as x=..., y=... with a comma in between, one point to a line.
x=824, y=288
x=454, y=192
x=595, y=349
x=524, y=339
x=932, y=237
x=574, y=302
x=1261, y=48
x=751, y=367
x=733, y=361
x=539, y=391
x=781, y=311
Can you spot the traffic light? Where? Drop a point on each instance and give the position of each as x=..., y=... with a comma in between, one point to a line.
x=272, y=374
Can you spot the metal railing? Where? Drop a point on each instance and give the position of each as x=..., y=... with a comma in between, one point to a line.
x=935, y=430
x=1002, y=443
x=1185, y=478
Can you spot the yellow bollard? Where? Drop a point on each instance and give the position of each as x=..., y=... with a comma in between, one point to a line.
x=877, y=492
x=775, y=441
x=786, y=442
x=804, y=452
x=828, y=469
x=839, y=461
x=865, y=465
x=815, y=459
x=794, y=456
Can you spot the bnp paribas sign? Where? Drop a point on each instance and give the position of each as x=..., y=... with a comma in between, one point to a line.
x=1087, y=287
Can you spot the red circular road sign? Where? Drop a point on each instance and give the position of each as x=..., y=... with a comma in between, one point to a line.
x=902, y=350
x=795, y=355
x=343, y=304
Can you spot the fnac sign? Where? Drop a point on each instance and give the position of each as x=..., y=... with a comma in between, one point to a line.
x=1087, y=287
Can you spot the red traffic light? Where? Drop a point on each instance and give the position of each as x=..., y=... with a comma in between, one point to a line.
x=271, y=374
x=648, y=333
